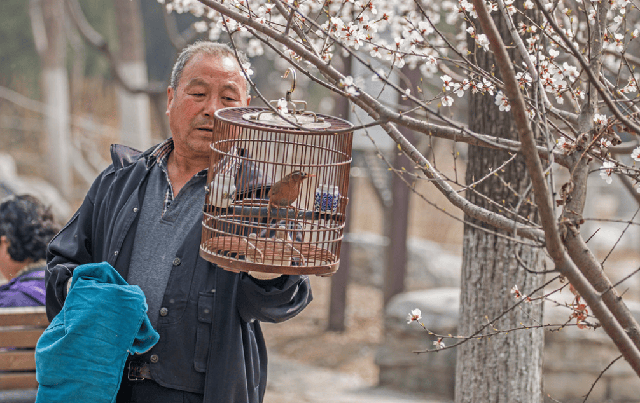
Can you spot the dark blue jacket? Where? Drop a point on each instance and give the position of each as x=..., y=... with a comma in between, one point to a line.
x=210, y=338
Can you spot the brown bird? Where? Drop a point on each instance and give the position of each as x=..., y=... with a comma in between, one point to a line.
x=284, y=192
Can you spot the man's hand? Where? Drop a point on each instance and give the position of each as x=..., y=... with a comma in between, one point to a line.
x=263, y=276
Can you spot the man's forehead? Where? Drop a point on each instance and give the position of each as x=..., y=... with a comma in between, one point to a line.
x=224, y=62
x=196, y=69
x=228, y=85
x=230, y=63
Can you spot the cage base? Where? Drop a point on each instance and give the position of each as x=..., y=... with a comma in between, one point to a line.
x=237, y=265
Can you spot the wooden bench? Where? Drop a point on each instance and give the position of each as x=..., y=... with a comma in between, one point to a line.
x=20, y=329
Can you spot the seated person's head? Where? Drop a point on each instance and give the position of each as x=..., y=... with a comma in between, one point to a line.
x=26, y=227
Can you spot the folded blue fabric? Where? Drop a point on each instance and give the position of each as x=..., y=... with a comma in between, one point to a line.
x=81, y=355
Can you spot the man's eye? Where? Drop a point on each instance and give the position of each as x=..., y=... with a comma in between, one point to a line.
x=197, y=94
x=229, y=99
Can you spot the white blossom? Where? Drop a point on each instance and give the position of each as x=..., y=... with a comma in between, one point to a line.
x=564, y=145
x=414, y=316
x=570, y=71
x=457, y=89
x=483, y=41
x=604, y=142
x=247, y=69
x=599, y=119
x=606, y=171
x=516, y=293
x=487, y=85
x=349, y=87
x=282, y=106
x=503, y=102
x=524, y=78
x=425, y=28
x=254, y=48
x=200, y=26
x=447, y=81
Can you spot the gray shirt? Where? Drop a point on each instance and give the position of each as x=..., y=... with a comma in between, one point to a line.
x=159, y=235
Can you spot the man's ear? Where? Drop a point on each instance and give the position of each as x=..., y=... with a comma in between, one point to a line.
x=169, y=98
x=248, y=99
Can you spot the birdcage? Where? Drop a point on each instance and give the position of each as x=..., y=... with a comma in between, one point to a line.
x=277, y=190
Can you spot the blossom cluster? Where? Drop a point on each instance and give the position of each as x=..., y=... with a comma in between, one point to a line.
x=450, y=86
x=441, y=39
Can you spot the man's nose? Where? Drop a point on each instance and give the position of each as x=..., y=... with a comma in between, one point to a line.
x=212, y=105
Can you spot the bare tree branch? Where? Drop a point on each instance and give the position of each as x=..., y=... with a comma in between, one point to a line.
x=375, y=110
x=572, y=117
x=37, y=26
x=178, y=39
x=93, y=38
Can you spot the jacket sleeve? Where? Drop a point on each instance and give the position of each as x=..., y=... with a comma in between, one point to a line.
x=71, y=247
x=273, y=300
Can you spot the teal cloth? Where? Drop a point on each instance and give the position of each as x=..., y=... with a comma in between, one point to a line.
x=81, y=355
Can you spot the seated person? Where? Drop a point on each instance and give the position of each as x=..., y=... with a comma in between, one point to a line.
x=26, y=227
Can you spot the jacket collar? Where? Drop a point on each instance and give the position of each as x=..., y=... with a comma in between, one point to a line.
x=123, y=156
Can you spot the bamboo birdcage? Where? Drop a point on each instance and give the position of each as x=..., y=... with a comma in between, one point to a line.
x=252, y=149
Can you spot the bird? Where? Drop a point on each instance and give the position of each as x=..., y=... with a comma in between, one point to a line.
x=284, y=192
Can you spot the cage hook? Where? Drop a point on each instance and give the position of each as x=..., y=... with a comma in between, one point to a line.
x=293, y=82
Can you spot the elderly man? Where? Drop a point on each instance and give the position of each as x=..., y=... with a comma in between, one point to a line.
x=143, y=216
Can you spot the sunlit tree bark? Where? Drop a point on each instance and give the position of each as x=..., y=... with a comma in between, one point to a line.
x=55, y=86
x=134, y=109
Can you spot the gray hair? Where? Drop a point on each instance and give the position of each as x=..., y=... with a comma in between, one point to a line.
x=208, y=48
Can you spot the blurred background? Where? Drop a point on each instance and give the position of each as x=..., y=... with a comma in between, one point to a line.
x=77, y=76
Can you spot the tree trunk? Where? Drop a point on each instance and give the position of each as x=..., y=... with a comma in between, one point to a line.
x=507, y=367
x=55, y=86
x=397, y=215
x=340, y=280
x=134, y=109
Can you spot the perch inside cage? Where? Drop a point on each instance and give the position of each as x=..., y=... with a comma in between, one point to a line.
x=277, y=191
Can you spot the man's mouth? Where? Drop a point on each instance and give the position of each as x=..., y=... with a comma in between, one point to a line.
x=205, y=129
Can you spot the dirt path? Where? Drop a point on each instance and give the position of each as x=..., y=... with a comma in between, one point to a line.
x=307, y=364
x=293, y=382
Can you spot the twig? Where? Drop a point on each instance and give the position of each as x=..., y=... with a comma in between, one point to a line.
x=600, y=376
x=93, y=38
x=620, y=237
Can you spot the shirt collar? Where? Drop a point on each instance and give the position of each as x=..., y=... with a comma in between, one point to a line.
x=161, y=153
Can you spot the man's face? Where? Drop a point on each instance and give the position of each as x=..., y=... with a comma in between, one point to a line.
x=208, y=83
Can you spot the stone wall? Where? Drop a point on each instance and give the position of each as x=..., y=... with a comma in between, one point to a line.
x=574, y=358
x=400, y=367
x=429, y=264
